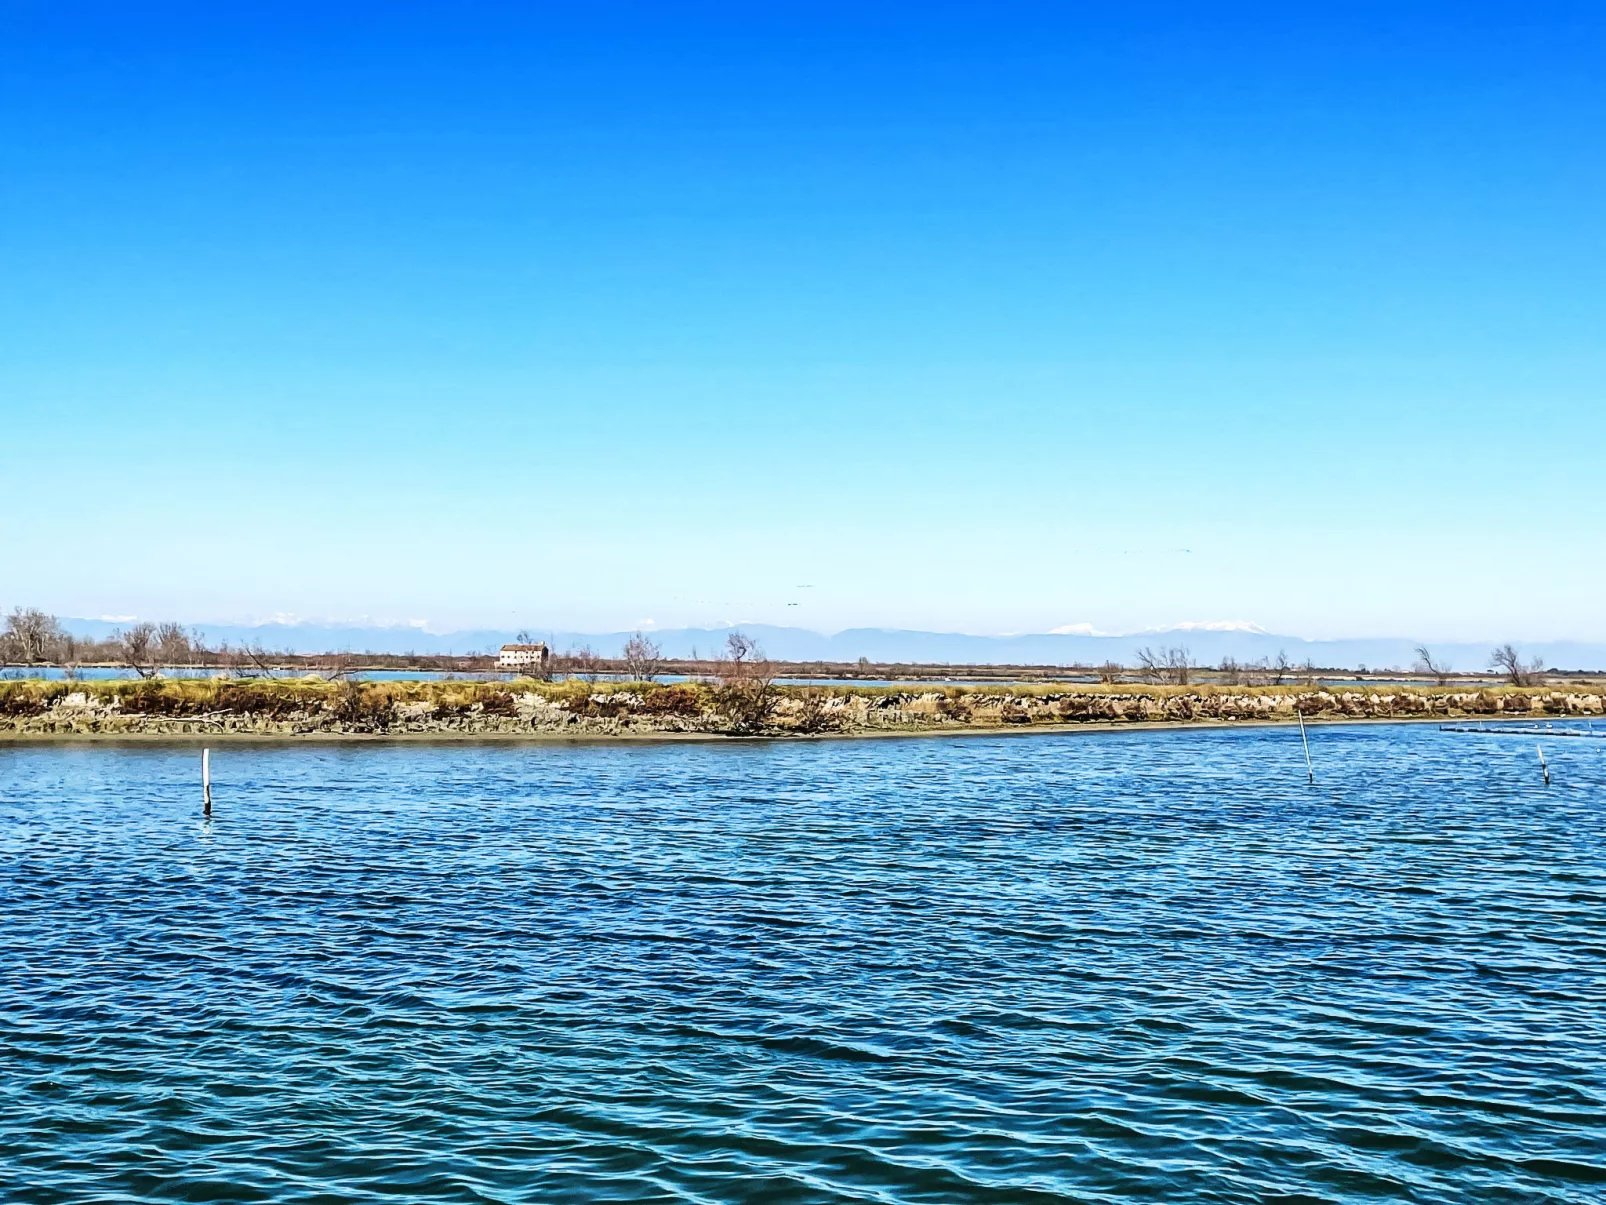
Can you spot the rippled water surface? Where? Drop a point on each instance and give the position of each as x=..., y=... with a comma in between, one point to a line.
x=1092, y=967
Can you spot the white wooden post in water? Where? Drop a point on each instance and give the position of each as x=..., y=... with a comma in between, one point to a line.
x=1543, y=769
x=206, y=782
x=1310, y=772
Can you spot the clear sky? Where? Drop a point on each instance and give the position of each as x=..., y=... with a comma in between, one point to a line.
x=974, y=317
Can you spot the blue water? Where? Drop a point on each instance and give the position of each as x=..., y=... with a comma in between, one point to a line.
x=1146, y=966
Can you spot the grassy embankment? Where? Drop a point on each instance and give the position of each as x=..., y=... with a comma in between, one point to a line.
x=304, y=707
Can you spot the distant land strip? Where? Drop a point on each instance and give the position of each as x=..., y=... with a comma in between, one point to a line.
x=32, y=635
x=334, y=666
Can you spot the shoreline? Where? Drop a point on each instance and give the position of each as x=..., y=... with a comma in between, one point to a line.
x=221, y=711
x=593, y=737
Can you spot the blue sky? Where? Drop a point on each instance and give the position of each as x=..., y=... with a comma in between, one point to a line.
x=984, y=318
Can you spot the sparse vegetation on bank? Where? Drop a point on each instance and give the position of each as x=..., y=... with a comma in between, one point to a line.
x=748, y=706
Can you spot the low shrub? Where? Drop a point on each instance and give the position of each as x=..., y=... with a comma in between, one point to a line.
x=152, y=696
x=498, y=702
x=30, y=698
x=679, y=699
x=261, y=697
x=357, y=703
x=813, y=715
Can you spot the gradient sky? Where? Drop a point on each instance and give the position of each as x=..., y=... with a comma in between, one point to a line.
x=973, y=317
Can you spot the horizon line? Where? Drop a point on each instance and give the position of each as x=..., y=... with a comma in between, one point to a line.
x=1079, y=631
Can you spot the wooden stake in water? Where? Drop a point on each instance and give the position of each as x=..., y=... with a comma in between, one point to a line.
x=1543, y=769
x=1310, y=772
x=206, y=782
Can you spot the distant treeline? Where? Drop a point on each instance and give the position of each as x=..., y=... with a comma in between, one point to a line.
x=32, y=637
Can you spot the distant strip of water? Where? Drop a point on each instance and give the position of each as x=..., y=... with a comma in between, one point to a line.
x=112, y=673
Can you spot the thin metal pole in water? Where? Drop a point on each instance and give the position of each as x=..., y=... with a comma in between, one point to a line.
x=1310, y=773
x=206, y=782
x=1543, y=769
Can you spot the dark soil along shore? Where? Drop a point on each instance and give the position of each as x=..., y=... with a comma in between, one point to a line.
x=262, y=707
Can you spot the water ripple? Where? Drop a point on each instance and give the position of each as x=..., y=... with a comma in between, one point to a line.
x=1080, y=967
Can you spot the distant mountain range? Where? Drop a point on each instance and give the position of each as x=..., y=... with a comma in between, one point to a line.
x=1207, y=645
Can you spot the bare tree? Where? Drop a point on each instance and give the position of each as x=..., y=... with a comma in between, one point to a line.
x=1427, y=663
x=1180, y=662
x=643, y=658
x=1174, y=665
x=31, y=636
x=248, y=660
x=338, y=667
x=259, y=657
x=747, y=692
x=66, y=656
x=135, y=646
x=581, y=661
x=1231, y=671
x=1280, y=668
x=1518, y=672
x=740, y=647
x=1150, y=665
x=1110, y=671
x=174, y=645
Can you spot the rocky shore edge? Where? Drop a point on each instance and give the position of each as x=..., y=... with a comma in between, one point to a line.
x=292, y=708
